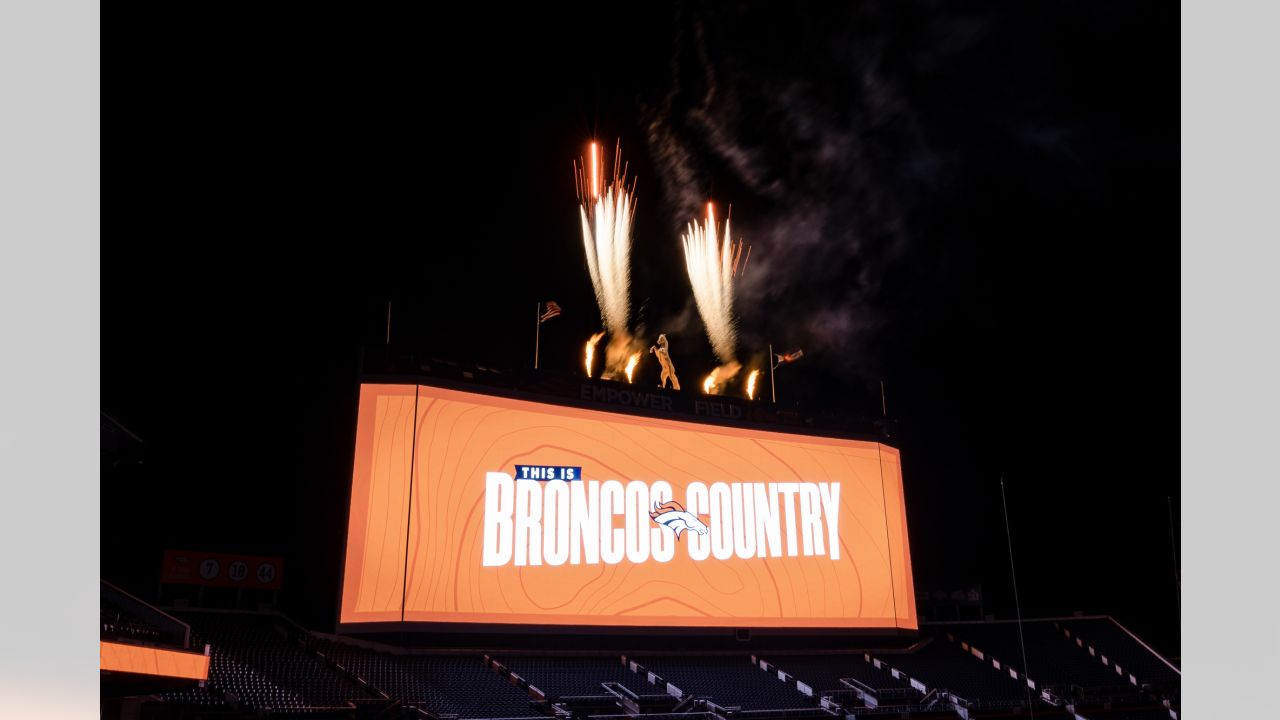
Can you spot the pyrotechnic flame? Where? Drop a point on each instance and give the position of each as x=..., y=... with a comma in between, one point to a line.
x=591, y=349
x=710, y=262
x=715, y=382
x=606, y=214
x=631, y=365
x=751, y=384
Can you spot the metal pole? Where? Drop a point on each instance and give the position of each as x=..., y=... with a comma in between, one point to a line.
x=388, y=322
x=1016, y=603
x=537, y=333
x=1173, y=542
x=773, y=389
x=884, y=409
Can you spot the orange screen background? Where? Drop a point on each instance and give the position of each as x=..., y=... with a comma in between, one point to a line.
x=119, y=657
x=421, y=561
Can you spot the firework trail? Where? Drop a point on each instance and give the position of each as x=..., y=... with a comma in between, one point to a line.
x=606, y=210
x=751, y=384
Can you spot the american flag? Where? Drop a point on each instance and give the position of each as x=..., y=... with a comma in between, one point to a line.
x=792, y=356
x=553, y=310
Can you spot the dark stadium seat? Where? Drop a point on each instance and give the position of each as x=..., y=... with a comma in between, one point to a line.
x=944, y=666
x=1111, y=640
x=824, y=672
x=262, y=664
x=120, y=625
x=731, y=681
x=1055, y=661
x=563, y=676
x=460, y=685
x=255, y=664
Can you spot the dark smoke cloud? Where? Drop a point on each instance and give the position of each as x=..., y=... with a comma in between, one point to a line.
x=811, y=137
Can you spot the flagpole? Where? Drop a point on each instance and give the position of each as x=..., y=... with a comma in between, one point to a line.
x=537, y=333
x=773, y=390
x=1177, y=578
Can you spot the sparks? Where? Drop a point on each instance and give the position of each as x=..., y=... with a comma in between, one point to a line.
x=709, y=260
x=606, y=210
x=631, y=365
x=591, y=349
x=751, y=384
x=709, y=384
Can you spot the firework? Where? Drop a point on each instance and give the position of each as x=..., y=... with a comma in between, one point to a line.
x=606, y=210
x=709, y=262
x=713, y=261
x=751, y=384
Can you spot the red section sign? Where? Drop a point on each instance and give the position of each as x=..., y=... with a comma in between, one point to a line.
x=207, y=568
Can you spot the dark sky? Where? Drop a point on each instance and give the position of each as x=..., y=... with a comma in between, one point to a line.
x=963, y=200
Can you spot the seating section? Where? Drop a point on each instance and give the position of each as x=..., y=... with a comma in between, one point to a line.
x=263, y=665
x=732, y=681
x=1120, y=647
x=118, y=624
x=824, y=672
x=125, y=618
x=1055, y=661
x=574, y=676
x=944, y=666
x=254, y=660
x=205, y=697
x=459, y=685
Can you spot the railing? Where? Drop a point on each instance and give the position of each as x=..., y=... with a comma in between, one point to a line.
x=408, y=366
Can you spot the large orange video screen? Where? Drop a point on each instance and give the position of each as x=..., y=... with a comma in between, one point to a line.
x=471, y=508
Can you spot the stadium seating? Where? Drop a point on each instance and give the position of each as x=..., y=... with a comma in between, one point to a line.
x=460, y=685
x=943, y=666
x=1056, y=663
x=198, y=697
x=262, y=665
x=1121, y=648
x=732, y=681
x=127, y=619
x=824, y=672
x=571, y=676
x=257, y=665
x=120, y=625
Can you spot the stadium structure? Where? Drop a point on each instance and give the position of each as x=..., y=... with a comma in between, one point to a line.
x=534, y=545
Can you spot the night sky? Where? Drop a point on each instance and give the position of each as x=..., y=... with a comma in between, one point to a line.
x=967, y=201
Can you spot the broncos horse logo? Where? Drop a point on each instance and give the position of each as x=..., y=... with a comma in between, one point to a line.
x=673, y=516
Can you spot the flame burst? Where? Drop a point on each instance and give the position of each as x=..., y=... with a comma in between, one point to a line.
x=751, y=384
x=715, y=383
x=631, y=365
x=606, y=210
x=591, y=349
